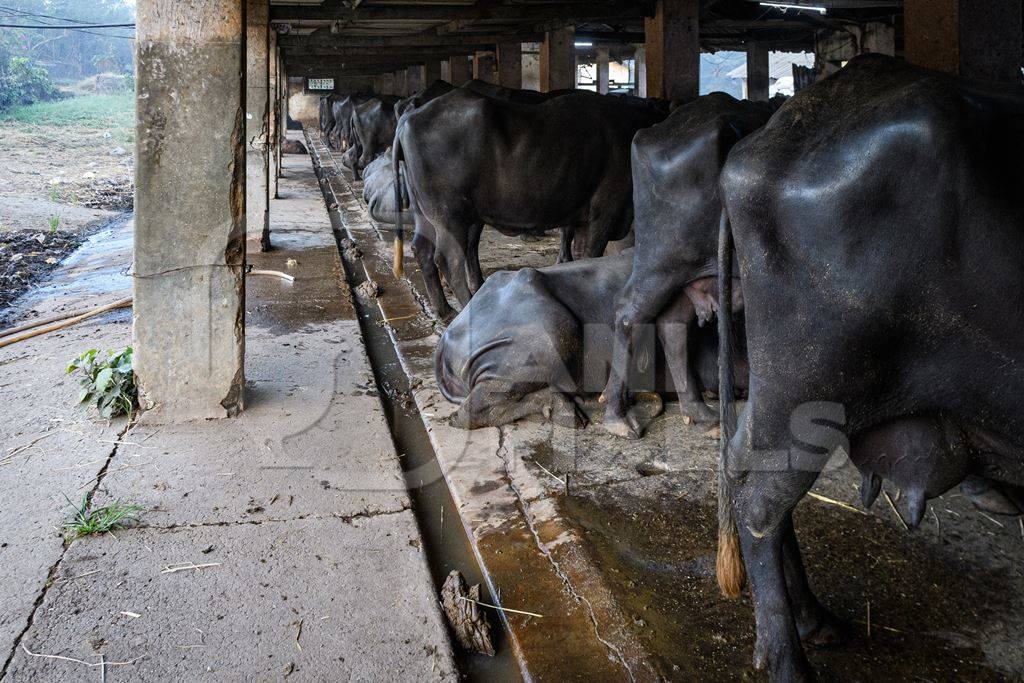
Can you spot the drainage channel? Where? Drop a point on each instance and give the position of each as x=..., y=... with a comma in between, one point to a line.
x=447, y=545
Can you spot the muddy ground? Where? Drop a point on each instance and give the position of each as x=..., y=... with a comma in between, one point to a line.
x=27, y=256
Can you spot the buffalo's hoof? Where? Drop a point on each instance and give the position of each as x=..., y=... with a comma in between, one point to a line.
x=783, y=665
x=564, y=411
x=697, y=412
x=827, y=631
x=621, y=427
x=989, y=496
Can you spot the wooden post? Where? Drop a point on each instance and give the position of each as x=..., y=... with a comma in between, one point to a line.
x=979, y=40
x=757, y=72
x=558, y=60
x=190, y=196
x=510, y=65
x=673, y=50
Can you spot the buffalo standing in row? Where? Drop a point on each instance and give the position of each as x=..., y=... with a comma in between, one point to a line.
x=878, y=224
x=676, y=166
x=472, y=160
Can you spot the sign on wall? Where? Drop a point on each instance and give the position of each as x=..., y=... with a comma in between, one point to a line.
x=320, y=84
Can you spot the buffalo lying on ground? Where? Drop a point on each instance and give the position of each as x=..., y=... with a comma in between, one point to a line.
x=535, y=341
x=878, y=224
x=472, y=160
x=676, y=165
x=379, y=192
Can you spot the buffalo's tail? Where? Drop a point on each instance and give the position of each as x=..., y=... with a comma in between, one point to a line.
x=729, y=564
x=398, y=265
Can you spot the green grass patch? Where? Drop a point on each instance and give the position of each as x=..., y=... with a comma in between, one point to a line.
x=87, y=520
x=93, y=111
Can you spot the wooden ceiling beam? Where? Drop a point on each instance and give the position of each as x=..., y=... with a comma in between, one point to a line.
x=334, y=10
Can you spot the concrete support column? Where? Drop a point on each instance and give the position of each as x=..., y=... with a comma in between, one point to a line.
x=531, y=66
x=980, y=40
x=640, y=61
x=274, y=116
x=190, y=150
x=431, y=72
x=257, y=115
x=510, y=65
x=459, y=67
x=558, y=60
x=672, y=42
x=485, y=67
x=602, y=70
x=416, y=79
x=757, y=72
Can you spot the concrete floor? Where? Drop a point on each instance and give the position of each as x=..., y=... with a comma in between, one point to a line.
x=613, y=540
x=299, y=505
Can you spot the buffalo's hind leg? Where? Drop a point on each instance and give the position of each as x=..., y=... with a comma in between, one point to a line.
x=769, y=485
x=423, y=250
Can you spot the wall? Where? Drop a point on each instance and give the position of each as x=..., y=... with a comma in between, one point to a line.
x=302, y=107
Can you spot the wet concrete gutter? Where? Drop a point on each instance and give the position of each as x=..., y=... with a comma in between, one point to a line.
x=530, y=555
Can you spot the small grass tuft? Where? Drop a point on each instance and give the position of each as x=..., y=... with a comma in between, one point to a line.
x=87, y=520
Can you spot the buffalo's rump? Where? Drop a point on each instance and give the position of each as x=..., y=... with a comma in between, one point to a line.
x=879, y=227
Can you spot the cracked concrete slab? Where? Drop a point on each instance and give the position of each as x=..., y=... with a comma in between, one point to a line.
x=49, y=448
x=317, y=599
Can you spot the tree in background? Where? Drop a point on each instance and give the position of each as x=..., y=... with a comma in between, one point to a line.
x=30, y=57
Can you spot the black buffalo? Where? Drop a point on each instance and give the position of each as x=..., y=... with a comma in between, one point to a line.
x=472, y=160
x=878, y=224
x=341, y=116
x=535, y=341
x=373, y=128
x=676, y=165
x=418, y=99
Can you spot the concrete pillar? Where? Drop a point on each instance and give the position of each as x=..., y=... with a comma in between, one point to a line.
x=602, y=70
x=640, y=61
x=558, y=60
x=459, y=66
x=979, y=40
x=416, y=79
x=757, y=72
x=431, y=72
x=510, y=65
x=257, y=115
x=274, y=116
x=672, y=41
x=485, y=67
x=531, y=66
x=190, y=151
